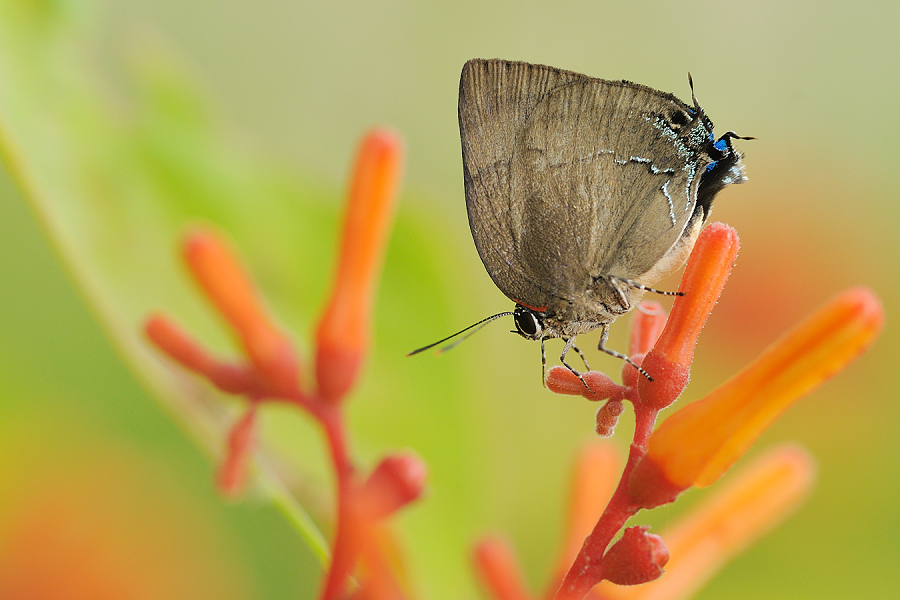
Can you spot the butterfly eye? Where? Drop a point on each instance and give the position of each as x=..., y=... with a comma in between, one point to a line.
x=528, y=323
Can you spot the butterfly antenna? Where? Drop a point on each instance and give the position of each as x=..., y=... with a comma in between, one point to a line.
x=693, y=96
x=474, y=328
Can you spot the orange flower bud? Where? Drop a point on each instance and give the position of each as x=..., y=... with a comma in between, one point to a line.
x=343, y=334
x=227, y=285
x=496, y=563
x=607, y=417
x=669, y=362
x=172, y=340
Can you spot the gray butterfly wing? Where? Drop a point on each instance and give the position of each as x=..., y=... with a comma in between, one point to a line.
x=560, y=184
x=495, y=99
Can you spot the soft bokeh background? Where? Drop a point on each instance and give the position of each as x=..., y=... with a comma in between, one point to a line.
x=131, y=119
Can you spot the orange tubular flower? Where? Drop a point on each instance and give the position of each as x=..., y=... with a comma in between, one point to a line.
x=363, y=552
x=704, y=277
x=227, y=285
x=669, y=362
x=496, y=563
x=760, y=497
x=171, y=339
x=695, y=445
x=343, y=334
x=646, y=327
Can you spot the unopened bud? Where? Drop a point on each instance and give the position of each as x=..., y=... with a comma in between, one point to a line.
x=395, y=482
x=608, y=417
x=637, y=558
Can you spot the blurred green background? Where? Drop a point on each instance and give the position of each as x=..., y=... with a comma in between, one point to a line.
x=125, y=121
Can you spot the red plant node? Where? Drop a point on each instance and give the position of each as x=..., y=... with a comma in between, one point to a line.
x=669, y=380
x=649, y=486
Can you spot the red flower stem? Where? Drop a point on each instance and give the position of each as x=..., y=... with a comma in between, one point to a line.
x=379, y=581
x=645, y=420
x=586, y=571
x=344, y=552
x=308, y=402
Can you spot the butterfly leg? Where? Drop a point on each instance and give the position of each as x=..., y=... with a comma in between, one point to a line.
x=543, y=364
x=641, y=286
x=581, y=354
x=604, y=334
x=570, y=343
